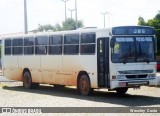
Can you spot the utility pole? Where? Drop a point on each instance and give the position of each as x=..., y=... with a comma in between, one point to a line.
x=71, y=10
x=65, y=1
x=25, y=18
x=104, y=18
x=76, y=13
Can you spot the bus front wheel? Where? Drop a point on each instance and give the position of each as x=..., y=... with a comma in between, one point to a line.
x=84, y=87
x=121, y=91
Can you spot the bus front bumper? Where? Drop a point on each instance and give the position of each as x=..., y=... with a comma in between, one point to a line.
x=132, y=83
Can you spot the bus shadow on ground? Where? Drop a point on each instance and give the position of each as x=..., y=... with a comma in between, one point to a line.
x=97, y=96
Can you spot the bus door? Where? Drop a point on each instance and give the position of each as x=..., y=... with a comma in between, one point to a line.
x=103, y=61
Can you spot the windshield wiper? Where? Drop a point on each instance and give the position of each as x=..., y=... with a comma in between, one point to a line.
x=124, y=60
x=146, y=60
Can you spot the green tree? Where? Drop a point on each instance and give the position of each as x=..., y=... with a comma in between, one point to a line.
x=69, y=24
x=57, y=27
x=155, y=22
x=42, y=28
x=141, y=21
x=157, y=15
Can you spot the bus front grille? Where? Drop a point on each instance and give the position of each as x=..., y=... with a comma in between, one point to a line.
x=135, y=71
x=136, y=76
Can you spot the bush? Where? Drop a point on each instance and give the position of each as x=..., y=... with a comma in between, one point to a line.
x=158, y=52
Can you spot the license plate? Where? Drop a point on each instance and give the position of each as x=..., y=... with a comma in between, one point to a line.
x=122, y=84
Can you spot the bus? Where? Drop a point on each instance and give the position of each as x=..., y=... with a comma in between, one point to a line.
x=114, y=58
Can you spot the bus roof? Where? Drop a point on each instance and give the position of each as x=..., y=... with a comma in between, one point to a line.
x=81, y=30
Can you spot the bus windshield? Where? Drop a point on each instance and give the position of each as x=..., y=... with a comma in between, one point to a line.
x=132, y=49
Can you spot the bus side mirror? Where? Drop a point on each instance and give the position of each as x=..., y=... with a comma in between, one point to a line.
x=112, y=42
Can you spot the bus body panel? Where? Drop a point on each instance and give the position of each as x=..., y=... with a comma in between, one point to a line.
x=74, y=64
x=33, y=64
x=11, y=68
x=50, y=66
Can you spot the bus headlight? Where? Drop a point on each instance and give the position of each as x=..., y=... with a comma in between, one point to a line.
x=151, y=75
x=121, y=77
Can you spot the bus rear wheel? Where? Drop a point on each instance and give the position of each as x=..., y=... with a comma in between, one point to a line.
x=121, y=91
x=27, y=81
x=84, y=85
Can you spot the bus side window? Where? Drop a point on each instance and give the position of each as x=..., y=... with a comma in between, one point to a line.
x=55, y=45
x=17, y=46
x=87, y=43
x=41, y=43
x=7, y=47
x=71, y=44
x=28, y=45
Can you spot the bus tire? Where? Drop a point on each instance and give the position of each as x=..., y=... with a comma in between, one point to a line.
x=121, y=91
x=27, y=81
x=84, y=86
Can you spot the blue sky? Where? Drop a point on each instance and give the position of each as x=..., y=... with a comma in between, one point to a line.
x=122, y=12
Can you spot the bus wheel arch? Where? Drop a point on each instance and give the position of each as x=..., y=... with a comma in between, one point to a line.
x=84, y=83
x=25, y=70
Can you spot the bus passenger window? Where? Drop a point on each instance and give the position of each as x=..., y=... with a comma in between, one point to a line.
x=88, y=49
x=88, y=43
x=41, y=50
x=71, y=44
x=55, y=45
x=7, y=47
x=41, y=43
x=17, y=46
x=28, y=45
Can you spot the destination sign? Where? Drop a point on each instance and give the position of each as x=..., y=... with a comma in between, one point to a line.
x=133, y=30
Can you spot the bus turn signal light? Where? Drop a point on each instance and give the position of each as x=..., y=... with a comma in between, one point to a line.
x=113, y=77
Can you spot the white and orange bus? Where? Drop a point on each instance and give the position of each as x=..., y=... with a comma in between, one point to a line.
x=117, y=58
